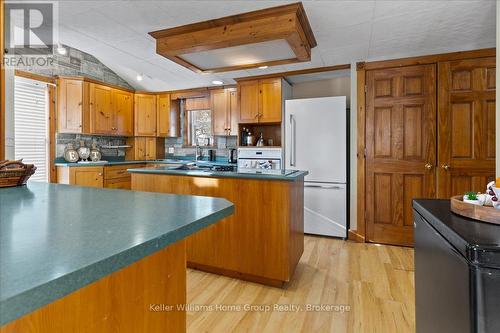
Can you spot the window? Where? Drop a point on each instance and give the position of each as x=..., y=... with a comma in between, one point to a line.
x=200, y=127
x=31, y=125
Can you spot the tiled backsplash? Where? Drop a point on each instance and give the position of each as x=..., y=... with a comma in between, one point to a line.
x=222, y=145
x=62, y=139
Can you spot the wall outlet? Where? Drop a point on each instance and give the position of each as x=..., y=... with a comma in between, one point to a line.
x=171, y=150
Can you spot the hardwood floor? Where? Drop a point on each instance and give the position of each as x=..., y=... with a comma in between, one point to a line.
x=374, y=283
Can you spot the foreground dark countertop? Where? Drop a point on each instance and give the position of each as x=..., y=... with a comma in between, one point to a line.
x=55, y=239
x=288, y=175
x=479, y=242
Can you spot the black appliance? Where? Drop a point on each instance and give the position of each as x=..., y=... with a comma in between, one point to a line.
x=457, y=271
x=223, y=168
x=233, y=158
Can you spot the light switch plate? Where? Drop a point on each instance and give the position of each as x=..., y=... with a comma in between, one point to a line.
x=171, y=150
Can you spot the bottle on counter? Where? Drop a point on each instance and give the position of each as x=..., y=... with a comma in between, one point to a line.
x=244, y=134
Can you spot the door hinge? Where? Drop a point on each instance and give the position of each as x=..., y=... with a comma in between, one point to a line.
x=365, y=152
x=366, y=88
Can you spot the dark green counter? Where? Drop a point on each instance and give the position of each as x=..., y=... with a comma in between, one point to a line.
x=55, y=239
x=288, y=175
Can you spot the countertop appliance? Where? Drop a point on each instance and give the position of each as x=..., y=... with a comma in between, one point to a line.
x=457, y=271
x=259, y=158
x=316, y=141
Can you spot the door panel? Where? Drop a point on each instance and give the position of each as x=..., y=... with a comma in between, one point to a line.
x=401, y=149
x=249, y=101
x=123, y=110
x=163, y=116
x=145, y=115
x=220, y=108
x=271, y=103
x=466, y=133
x=101, y=109
x=70, y=99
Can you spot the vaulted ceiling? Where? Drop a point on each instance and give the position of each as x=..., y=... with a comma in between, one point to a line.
x=116, y=32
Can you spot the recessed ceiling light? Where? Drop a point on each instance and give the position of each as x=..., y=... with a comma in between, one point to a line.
x=139, y=77
x=217, y=82
x=61, y=50
x=263, y=67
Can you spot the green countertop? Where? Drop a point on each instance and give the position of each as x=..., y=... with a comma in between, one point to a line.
x=55, y=239
x=122, y=162
x=288, y=175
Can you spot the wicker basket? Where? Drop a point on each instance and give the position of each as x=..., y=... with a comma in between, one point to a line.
x=15, y=173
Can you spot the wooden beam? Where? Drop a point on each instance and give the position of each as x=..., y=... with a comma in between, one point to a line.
x=295, y=72
x=430, y=59
x=288, y=22
x=34, y=76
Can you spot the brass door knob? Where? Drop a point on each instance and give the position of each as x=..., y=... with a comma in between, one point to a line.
x=446, y=167
x=428, y=166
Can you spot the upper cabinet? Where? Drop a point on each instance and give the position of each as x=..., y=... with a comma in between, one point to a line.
x=101, y=109
x=261, y=101
x=93, y=108
x=163, y=116
x=71, y=106
x=224, y=111
x=123, y=105
x=145, y=114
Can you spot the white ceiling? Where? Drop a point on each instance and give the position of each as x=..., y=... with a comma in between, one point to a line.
x=116, y=32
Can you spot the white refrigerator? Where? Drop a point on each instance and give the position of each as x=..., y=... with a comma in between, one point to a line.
x=316, y=141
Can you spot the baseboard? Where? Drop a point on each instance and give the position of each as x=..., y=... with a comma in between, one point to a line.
x=237, y=275
x=352, y=235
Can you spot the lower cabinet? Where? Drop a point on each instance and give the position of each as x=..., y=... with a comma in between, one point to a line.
x=145, y=149
x=115, y=176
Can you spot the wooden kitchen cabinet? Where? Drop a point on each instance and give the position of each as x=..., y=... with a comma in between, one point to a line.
x=101, y=109
x=72, y=106
x=91, y=176
x=145, y=114
x=270, y=100
x=89, y=107
x=163, y=116
x=260, y=101
x=249, y=101
x=224, y=111
x=145, y=149
x=123, y=106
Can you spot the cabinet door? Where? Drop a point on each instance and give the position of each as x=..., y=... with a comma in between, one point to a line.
x=145, y=115
x=101, y=110
x=70, y=106
x=140, y=149
x=233, y=112
x=87, y=176
x=163, y=116
x=150, y=149
x=249, y=101
x=270, y=100
x=123, y=106
x=466, y=126
x=220, y=107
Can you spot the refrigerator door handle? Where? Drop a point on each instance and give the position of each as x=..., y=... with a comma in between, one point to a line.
x=333, y=187
x=292, y=146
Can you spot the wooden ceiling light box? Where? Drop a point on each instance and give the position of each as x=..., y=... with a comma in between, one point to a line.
x=267, y=37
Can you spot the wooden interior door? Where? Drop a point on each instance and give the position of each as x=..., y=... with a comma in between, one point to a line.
x=401, y=149
x=163, y=116
x=123, y=106
x=101, y=110
x=270, y=100
x=220, y=110
x=249, y=101
x=466, y=131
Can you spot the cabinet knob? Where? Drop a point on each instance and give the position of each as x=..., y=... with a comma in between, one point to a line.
x=428, y=166
x=446, y=167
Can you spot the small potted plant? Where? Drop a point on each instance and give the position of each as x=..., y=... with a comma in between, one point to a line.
x=471, y=197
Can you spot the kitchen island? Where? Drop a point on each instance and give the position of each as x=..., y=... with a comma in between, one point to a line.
x=262, y=241
x=79, y=259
